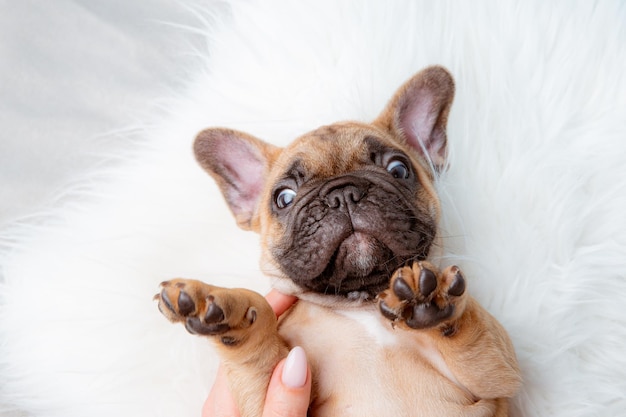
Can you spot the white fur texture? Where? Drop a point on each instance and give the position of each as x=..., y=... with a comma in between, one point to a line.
x=534, y=202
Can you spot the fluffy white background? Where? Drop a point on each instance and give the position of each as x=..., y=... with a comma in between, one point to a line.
x=534, y=200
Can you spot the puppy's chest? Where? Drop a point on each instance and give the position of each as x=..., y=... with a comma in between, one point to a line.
x=363, y=366
x=359, y=330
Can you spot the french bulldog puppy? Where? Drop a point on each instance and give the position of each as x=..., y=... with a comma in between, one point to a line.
x=347, y=215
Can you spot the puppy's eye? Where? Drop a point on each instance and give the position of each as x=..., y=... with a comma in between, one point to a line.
x=285, y=197
x=398, y=169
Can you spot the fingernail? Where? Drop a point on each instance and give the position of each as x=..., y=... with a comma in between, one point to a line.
x=295, y=368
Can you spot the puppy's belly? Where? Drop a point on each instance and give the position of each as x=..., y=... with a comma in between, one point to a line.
x=363, y=367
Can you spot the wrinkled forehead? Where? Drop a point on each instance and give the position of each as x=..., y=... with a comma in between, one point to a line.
x=335, y=149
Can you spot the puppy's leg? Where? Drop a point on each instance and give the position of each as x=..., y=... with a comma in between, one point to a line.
x=475, y=347
x=241, y=324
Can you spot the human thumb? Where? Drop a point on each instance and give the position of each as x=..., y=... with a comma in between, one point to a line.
x=289, y=392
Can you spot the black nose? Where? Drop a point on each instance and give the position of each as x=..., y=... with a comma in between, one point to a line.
x=344, y=192
x=344, y=197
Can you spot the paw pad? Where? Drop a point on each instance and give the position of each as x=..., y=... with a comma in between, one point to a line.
x=421, y=297
x=186, y=306
x=187, y=301
x=207, y=310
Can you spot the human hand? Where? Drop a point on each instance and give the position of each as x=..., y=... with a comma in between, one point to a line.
x=289, y=390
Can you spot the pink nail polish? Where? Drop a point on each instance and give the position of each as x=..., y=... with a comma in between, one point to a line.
x=295, y=368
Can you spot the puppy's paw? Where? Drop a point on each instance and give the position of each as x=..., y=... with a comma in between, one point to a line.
x=208, y=310
x=421, y=297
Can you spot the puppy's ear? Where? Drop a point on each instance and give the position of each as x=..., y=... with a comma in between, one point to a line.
x=239, y=163
x=418, y=113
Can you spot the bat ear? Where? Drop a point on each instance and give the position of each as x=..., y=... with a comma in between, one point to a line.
x=417, y=114
x=239, y=163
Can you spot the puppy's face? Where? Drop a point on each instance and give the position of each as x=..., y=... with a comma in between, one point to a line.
x=344, y=206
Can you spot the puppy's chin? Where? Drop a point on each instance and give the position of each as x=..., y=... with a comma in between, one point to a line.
x=360, y=254
x=352, y=299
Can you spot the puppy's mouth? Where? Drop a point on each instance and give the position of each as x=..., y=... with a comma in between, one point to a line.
x=360, y=264
x=359, y=267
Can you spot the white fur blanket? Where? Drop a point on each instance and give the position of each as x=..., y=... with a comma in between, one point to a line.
x=534, y=203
